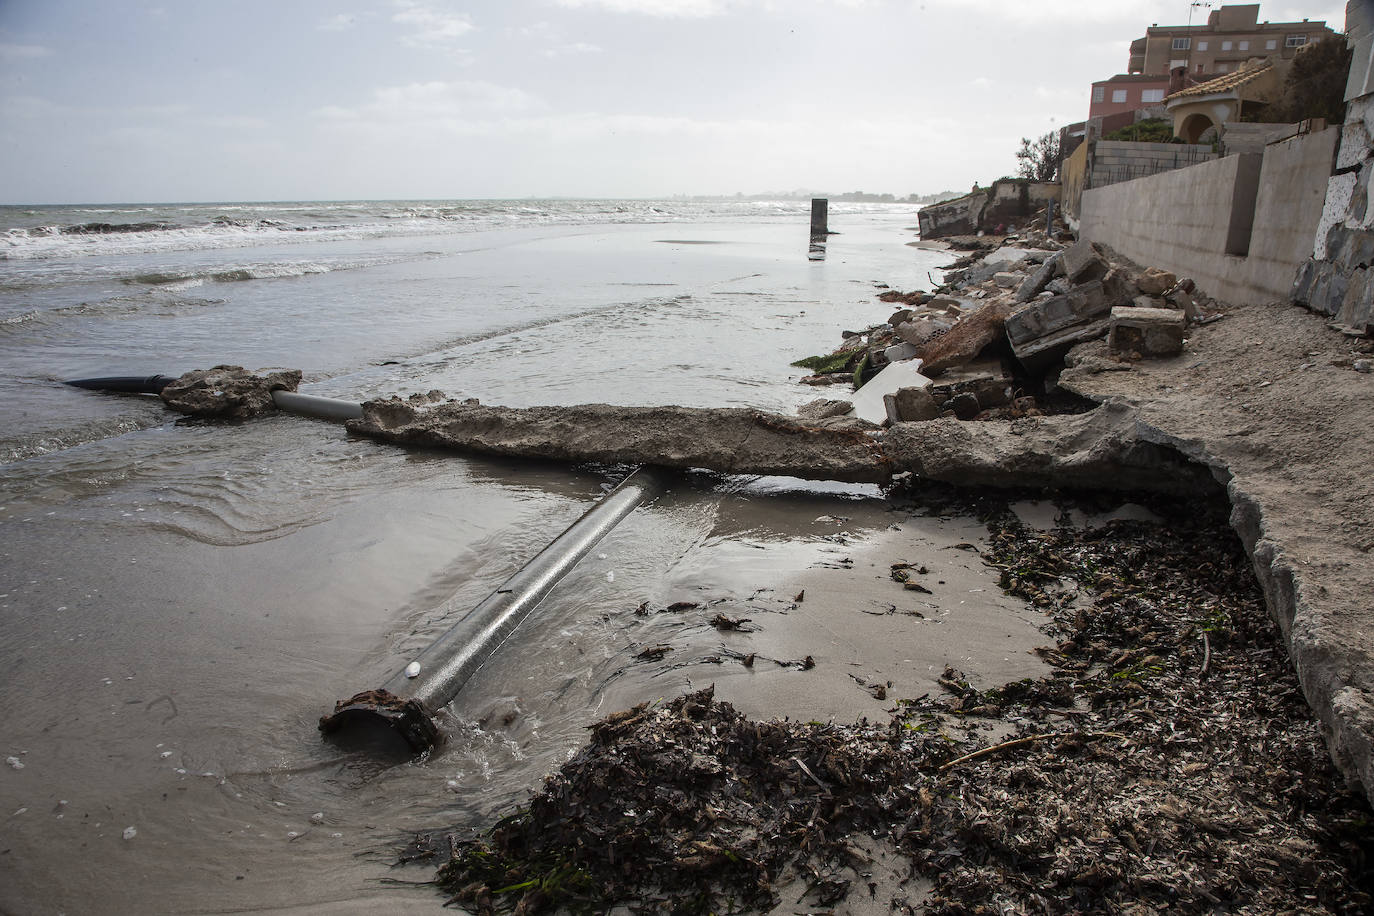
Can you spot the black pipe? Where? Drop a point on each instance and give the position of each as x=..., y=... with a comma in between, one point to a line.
x=128, y=384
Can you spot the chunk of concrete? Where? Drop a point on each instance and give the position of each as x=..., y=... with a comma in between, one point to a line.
x=1036, y=319
x=899, y=316
x=1118, y=287
x=898, y=352
x=1155, y=282
x=1006, y=279
x=1149, y=332
x=1084, y=262
x=1036, y=282
x=911, y=404
x=986, y=379
x=868, y=400
x=919, y=330
x=1042, y=352
x=824, y=409
x=966, y=339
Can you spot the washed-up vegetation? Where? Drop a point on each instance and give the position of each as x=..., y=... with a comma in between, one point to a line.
x=1167, y=761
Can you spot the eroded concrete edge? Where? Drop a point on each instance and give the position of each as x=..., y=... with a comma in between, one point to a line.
x=1345, y=710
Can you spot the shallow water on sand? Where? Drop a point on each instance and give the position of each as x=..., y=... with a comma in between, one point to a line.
x=180, y=601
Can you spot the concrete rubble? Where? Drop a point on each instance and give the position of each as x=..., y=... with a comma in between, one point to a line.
x=229, y=392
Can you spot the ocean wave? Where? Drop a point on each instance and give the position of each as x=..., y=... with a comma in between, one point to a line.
x=10, y=322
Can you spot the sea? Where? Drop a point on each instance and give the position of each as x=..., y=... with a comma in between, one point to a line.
x=181, y=600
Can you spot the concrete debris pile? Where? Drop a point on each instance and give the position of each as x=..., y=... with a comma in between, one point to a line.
x=983, y=345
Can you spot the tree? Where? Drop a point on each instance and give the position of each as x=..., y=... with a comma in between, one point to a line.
x=1038, y=160
x=1314, y=88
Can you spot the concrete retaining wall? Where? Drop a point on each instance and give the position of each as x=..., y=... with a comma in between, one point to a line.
x=1240, y=226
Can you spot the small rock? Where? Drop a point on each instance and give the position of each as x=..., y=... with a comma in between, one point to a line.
x=1363, y=365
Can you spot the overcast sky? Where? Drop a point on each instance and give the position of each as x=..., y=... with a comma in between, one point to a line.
x=196, y=100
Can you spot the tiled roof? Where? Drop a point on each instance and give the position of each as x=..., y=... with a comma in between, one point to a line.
x=1227, y=82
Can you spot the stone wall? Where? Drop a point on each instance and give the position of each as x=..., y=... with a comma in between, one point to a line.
x=1239, y=226
x=1336, y=279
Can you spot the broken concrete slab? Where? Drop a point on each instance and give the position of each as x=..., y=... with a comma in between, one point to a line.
x=1094, y=450
x=1041, y=353
x=868, y=400
x=1038, y=319
x=732, y=440
x=967, y=339
x=1006, y=279
x=1099, y=450
x=1147, y=332
x=986, y=379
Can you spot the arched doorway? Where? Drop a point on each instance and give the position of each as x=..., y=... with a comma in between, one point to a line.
x=1194, y=126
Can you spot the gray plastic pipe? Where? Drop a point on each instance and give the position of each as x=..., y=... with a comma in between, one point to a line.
x=408, y=701
x=310, y=405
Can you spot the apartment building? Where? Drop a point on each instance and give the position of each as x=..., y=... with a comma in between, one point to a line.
x=1230, y=36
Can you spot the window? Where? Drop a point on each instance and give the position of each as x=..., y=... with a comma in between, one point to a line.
x=1182, y=44
x=1221, y=68
x=1177, y=63
x=1271, y=44
x=1243, y=46
x=1099, y=93
x=1226, y=46
x=1151, y=95
x=1295, y=41
x=1118, y=96
x=1202, y=46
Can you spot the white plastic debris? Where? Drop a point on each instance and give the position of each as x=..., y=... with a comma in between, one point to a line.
x=130, y=832
x=15, y=763
x=413, y=669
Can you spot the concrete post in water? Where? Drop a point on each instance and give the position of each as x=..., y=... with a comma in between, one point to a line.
x=407, y=702
x=820, y=208
x=820, y=228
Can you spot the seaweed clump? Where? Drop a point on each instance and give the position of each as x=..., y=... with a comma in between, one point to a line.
x=1167, y=761
x=692, y=807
